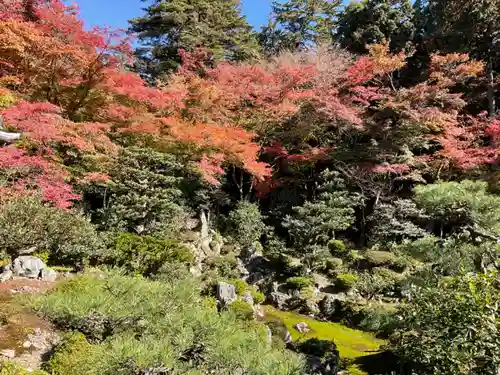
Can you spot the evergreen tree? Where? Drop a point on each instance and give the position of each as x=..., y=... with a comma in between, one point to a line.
x=171, y=25
x=296, y=24
x=468, y=26
x=375, y=21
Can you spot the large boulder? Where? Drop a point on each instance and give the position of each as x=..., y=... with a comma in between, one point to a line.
x=225, y=294
x=28, y=266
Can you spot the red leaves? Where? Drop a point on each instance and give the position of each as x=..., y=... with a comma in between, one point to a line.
x=210, y=167
x=42, y=123
x=133, y=87
x=27, y=174
x=231, y=144
x=391, y=168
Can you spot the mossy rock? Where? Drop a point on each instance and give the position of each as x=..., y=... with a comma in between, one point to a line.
x=351, y=343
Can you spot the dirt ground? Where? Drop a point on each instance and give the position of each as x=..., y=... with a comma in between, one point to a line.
x=20, y=329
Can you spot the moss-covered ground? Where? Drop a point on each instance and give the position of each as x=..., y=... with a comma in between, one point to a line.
x=352, y=344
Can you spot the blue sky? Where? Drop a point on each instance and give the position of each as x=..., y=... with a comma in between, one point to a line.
x=116, y=12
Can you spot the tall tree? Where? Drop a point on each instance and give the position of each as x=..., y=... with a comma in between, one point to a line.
x=376, y=21
x=295, y=24
x=469, y=26
x=171, y=25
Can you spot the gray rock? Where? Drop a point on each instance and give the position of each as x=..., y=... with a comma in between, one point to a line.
x=269, y=336
x=279, y=300
x=247, y=297
x=8, y=353
x=49, y=274
x=225, y=294
x=328, y=306
x=259, y=312
x=302, y=327
x=288, y=337
x=241, y=269
x=28, y=266
x=6, y=275
x=27, y=344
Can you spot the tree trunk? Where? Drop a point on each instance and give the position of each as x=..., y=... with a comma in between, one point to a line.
x=491, y=87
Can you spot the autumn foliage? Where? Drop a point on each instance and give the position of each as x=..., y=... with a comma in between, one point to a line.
x=73, y=98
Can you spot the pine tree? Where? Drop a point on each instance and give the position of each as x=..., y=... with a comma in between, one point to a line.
x=376, y=21
x=298, y=23
x=171, y=25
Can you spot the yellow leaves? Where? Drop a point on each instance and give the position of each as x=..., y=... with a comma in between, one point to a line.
x=384, y=61
x=6, y=99
x=448, y=69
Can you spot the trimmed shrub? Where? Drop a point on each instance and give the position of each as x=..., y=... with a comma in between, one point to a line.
x=336, y=247
x=299, y=282
x=332, y=265
x=377, y=318
x=224, y=266
x=145, y=255
x=182, y=330
x=27, y=223
x=9, y=368
x=72, y=355
x=380, y=258
x=346, y=281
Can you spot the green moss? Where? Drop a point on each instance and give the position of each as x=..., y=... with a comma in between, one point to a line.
x=351, y=343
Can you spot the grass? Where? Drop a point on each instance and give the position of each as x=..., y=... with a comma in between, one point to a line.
x=352, y=344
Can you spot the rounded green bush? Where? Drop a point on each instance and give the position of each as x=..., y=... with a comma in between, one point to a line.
x=379, y=258
x=299, y=282
x=258, y=297
x=336, y=247
x=346, y=281
x=145, y=255
x=333, y=264
x=70, y=355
